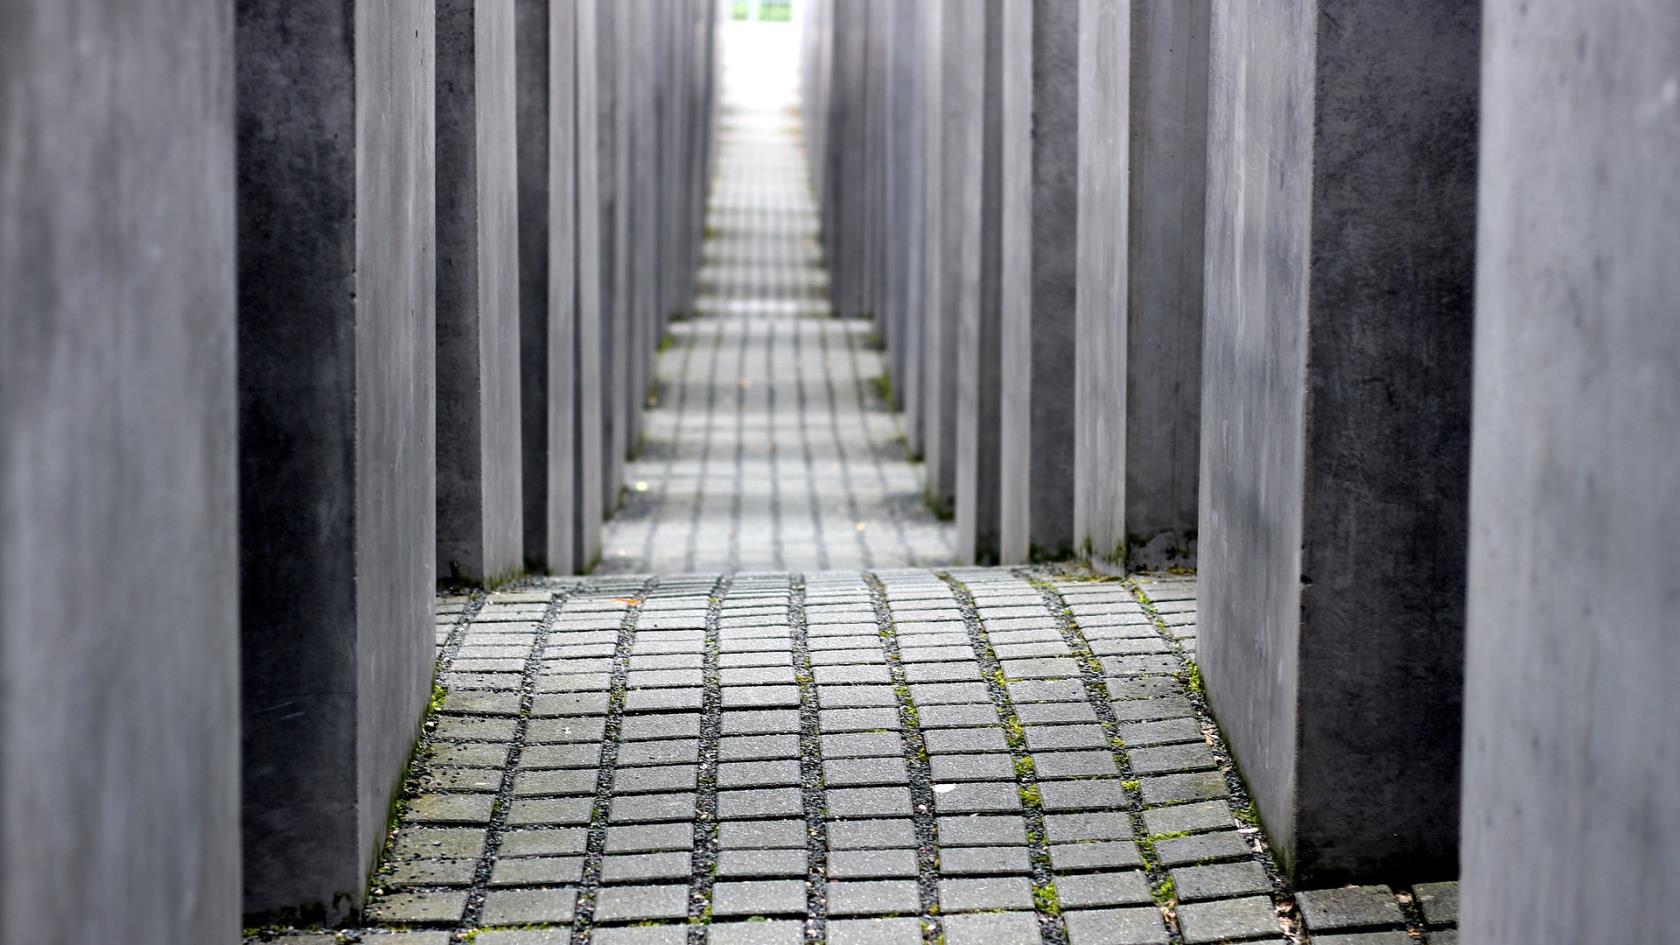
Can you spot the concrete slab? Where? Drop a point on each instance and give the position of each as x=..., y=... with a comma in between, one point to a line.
x=592, y=288
x=118, y=506
x=1335, y=439
x=1039, y=225
x=949, y=122
x=336, y=369
x=980, y=256
x=1570, y=704
x=480, y=474
x=547, y=149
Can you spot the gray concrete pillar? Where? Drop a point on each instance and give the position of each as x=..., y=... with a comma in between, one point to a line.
x=119, y=750
x=337, y=489
x=1335, y=438
x=948, y=120
x=978, y=35
x=625, y=105
x=1570, y=704
x=480, y=524
x=1142, y=187
x=547, y=149
x=1040, y=138
x=593, y=289
x=609, y=181
x=906, y=206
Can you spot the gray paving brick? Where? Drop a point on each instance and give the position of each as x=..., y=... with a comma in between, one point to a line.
x=762, y=834
x=640, y=935
x=1094, y=855
x=964, y=740
x=1143, y=734
x=849, y=803
x=1189, y=818
x=556, y=841
x=1347, y=908
x=1438, y=901
x=1202, y=848
x=773, y=932
x=893, y=931
x=1174, y=788
x=862, y=745
x=1228, y=920
x=761, y=863
x=537, y=871
x=870, y=834
x=636, y=903
x=742, y=697
x=419, y=907
x=998, y=928
x=983, y=797
x=742, y=774
x=645, y=808
x=958, y=716
x=1065, y=737
x=533, y=811
x=756, y=747
x=982, y=830
x=872, y=864
x=849, y=772
x=985, y=895
x=1133, y=926
x=983, y=861
x=759, y=803
x=1091, y=794
x=873, y=897
x=761, y=721
x=1074, y=828
x=649, y=838
x=643, y=867
x=528, y=906
x=759, y=897
x=1085, y=890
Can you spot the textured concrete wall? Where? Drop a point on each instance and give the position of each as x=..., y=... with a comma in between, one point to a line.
x=336, y=416
x=547, y=151
x=609, y=181
x=909, y=204
x=118, y=641
x=1341, y=188
x=979, y=327
x=591, y=289
x=958, y=107
x=1571, y=710
x=1166, y=211
x=1104, y=173
x=929, y=442
x=1039, y=226
x=480, y=472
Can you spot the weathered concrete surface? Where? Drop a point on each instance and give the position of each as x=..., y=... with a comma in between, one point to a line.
x=1104, y=173
x=1166, y=211
x=337, y=493
x=480, y=472
x=1340, y=245
x=547, y=149
x=1039, y=217
x=909, y=206
x=119, y=797
x=957, y=107
x=609, y=179
x=1571, y=710
x=592, y=289
x=980, y=327
x=928, y=439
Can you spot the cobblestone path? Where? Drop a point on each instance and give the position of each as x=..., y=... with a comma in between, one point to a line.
x=768, y=446
x=973, y=757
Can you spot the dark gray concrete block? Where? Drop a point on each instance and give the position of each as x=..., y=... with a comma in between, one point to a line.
x=547, y=153
x=337, y=493
x=909, y=202
x=1334, y=470
x=1570, y=704
x=118, y=510
x=980, y=256
x=608, y=181
x=948, y=121
x=480, y=522
x=1039, y=226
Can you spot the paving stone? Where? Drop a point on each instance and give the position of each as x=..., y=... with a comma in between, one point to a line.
x=636, y=903
x=1060, y=690
x=1092, y=794
x=422, y=907
x=848, y=803
x=1055, y=667
x=985, y=895
x=642, y=867
x=982, y=830
x=1135, y=926
x=872, y=864
x=560, y=756
x=871, y=834
x=645, y=808
x=474, y=729
x=1202, y=848
x=569, y=703
x=983, y=861
x=551, y=936
x=1228, y=920
x=1050, y=644
x=1348, y=908
x=660, y=727
x=873, y=897
x=1146, y=710
x=855, y=697
x=958, y=716
x=573, y=682
x=832, y=675
x=773, y=932
x=744, y=697
x=1391, y=937
x=865, y=771
x=863, y=745
x=534, y=811
x=577, y=729
x=897, y=931
x=986, y=797
x=1073, y=828
x=1438, y=901
x=1174, y=788
x=482, y=703
x=557, y=841
x=1065, y=737
x=1143, y=734
x=962, y=671
x=664, y=700
x=858, y=720
x=954, y=741
x=759, y=897
x=1142, y=687
x=949, y=693
x=1171, y=758
x=430, y=873
x=1094, y=855
x=1055, y=713
x=528, y=906
x=1085, y=890
x=567, y=781
x=1189, y=818
x=1052, y=765
x=759, y=803
x=646, y=780
x=762, y=863
x=757, y=747
x=987, y=767
x=740, y=774
x=761, y=834
x=1220, y=881
x=935, y=654
x=450, y=809
x=649, y=838
x=761, y=721
x=997, y=928
x=469, y=755
x=537, y=871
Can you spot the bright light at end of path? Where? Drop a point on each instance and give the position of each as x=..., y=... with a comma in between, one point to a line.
x=640, y=486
